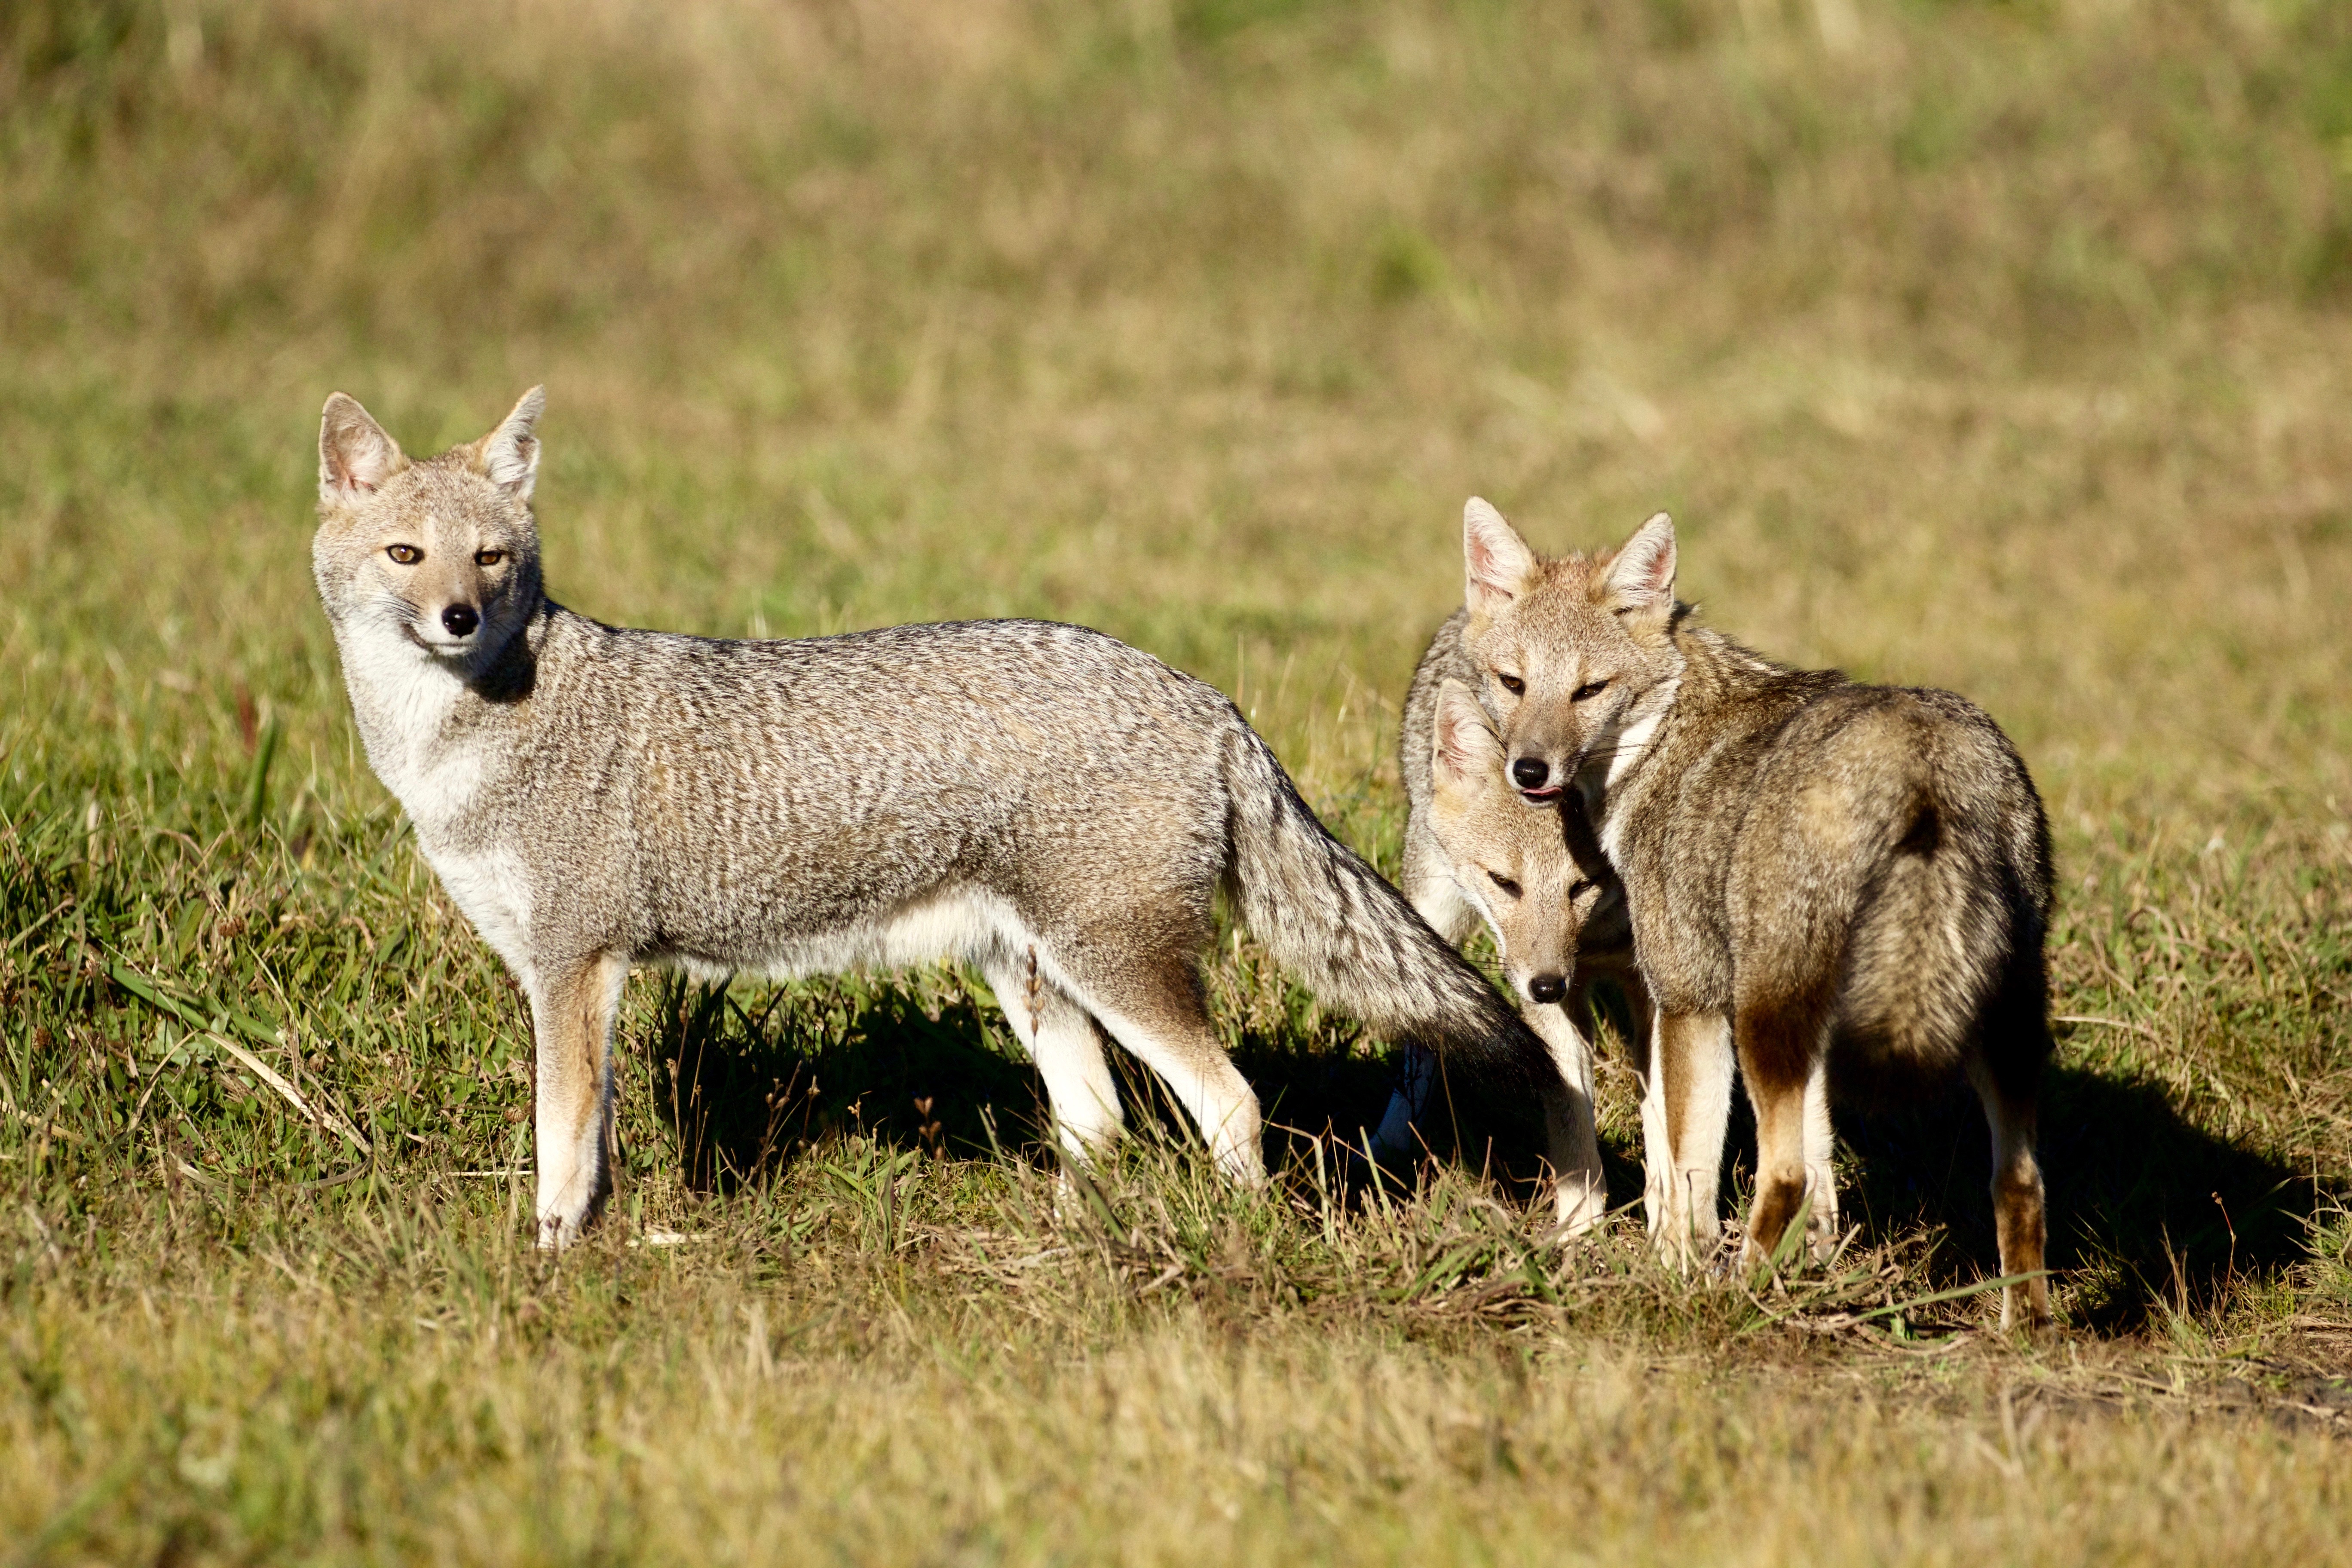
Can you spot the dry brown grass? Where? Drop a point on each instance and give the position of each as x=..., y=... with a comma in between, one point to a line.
x=1995, y=346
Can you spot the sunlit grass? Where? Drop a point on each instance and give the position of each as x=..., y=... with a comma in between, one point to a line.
x=1993, y=346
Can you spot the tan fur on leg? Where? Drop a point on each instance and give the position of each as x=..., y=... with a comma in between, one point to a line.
x=2017, y=1205
x=572, y=1017
x=1779, y=1164
x=1692, y=1063
x=1157, y=1013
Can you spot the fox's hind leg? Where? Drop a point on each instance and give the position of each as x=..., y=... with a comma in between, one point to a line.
x=1779, y=1164
x=571, y=1008
x=1062, y=1041
x=2012, y=1046
x=1154, y=1008
x=1783, y=1042
x=2017, y=1207
x=1821, y=1175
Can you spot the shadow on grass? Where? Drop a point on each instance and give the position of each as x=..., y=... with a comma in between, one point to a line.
x=2148, y=1211
x=743, y=1091
x=743, y=1083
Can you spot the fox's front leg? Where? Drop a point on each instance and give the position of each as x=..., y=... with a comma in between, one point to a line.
x=1582, y=1194
x=1821, y=1175
x=1686, y=1112
x=571, y=1008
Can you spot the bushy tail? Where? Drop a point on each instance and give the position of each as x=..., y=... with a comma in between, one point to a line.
x=1338, y=927
x=1948, y=915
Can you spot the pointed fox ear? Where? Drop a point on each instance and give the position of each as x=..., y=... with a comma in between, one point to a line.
x=510, y=454
x=355, y=455
x=1466, y=752
x=1640, y=584
x=1498, y=564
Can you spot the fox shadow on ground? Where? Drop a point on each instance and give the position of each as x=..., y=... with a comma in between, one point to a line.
x=740, y=1089
x=2148, y=1212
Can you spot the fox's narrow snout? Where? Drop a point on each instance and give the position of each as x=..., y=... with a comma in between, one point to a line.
x=1532, y=774
x=460, y=620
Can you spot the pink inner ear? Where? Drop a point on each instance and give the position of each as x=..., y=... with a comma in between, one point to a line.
x=359, y=463
x=1455, y=742
x=1487, y=572
x=1652, y=574
x=1449, y=743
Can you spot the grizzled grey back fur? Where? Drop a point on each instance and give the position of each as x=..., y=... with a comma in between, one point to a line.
x=1042, y=800
x=1446, y=659
x=759, y=805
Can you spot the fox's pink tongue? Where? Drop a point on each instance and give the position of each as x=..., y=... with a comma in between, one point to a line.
x=1550, y=791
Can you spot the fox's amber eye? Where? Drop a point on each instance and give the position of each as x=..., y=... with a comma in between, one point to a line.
x=489, y=557
x=1511, y=683
x=1508, y=887
x=1589, y=689
x=406, y=554
x=1578, y=887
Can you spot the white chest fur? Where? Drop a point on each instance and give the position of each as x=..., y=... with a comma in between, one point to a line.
x=1632, y=741
x=404, y=699
x=406, y=703
x=492, y=888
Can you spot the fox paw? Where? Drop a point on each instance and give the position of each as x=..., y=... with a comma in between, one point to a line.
x=1582, y=1202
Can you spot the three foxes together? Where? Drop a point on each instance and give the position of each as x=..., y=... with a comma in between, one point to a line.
x=1818, y=881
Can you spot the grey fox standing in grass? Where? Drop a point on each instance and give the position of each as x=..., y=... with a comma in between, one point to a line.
x=1049, y=804
x=1826, y=880
x=1532, y=873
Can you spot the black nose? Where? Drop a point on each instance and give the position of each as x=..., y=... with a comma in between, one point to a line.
x=459, y=620
x=1547, y=988
x=1530, y=771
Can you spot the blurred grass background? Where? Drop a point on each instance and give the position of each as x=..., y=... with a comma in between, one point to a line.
x=1989, y=345
x=1994, y=345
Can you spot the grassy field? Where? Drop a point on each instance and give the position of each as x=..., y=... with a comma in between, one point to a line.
x=1997, y=346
